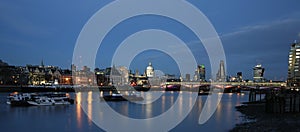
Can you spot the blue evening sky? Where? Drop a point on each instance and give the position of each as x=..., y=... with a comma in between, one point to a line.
x=252, y=32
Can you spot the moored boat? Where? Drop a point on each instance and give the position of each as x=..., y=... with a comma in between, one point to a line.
x=19, y=99
x=29, y=99
x=117, y=96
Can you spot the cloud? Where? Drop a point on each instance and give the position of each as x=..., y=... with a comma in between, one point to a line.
x=267, y=42
x=262, y=26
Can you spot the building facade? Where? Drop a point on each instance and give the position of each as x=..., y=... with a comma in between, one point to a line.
x=258, y=73
x=293, y=79
x=150, y=70
x=199, y=73
x=221, y=76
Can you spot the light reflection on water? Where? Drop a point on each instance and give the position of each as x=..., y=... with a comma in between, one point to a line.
x=73, y=118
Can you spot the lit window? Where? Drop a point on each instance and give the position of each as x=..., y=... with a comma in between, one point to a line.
x=297, y=57
x=297, y=49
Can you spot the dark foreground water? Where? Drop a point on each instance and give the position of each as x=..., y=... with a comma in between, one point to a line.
x=73, y=118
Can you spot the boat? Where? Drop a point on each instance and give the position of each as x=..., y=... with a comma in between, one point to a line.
x=114, y=97
x=34, y=99
x=117, y=96
x=16, y=99
x=140, y=83
x=50, y=99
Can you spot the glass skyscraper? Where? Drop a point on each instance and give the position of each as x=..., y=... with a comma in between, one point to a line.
x=293, y=68
x=258, y=73
x=221, y=75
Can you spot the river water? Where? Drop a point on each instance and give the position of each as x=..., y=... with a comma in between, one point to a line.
x=75, y=119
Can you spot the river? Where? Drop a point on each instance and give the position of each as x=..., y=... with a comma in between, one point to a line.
x=75, y=119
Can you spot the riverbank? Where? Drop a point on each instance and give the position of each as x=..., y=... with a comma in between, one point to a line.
x=256, y=119
x=5, y=89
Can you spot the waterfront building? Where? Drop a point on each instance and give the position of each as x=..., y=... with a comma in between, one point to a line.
x=124, y=73
x=239, y=77
x=12, y=75
x=258, y=73
x=65, y=77
x=169, y=76
x=201, y=69
x=200, y=73
x=42, y=75
x=111, y=75
x=196, y=76
x=187, y=77
x=293, y=79
x=221, y=76
x=102, y=77
x=150, y=70
x=83, y=77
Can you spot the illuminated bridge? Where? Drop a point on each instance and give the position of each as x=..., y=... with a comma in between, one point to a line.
x=246, y=84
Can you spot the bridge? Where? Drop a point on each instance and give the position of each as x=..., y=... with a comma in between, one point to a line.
x=246, y=84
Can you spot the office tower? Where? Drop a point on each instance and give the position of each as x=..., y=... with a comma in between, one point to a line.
x=221, y=76
x=293, y=68
x=258, y=73
x=239, y=76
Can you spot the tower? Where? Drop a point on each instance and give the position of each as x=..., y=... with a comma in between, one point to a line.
x=258, y=73
x=201, y=69
x=239, y=76
x=293, y=65
x=221, y=76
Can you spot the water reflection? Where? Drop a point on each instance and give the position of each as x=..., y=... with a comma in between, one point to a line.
x=99, y=112
x=74, y=118
x=78, y=109
x=90, y=105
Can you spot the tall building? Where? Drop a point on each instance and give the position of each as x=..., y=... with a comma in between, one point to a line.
x=201, y=69
x=239, y=76
x=294, y=63
x=187, y=77
x=258, y=73
x=221, y=76
x=200, y=73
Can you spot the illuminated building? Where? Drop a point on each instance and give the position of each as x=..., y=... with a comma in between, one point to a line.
x=187, y=77
x=150, y=71
x=200, y=73
x=221, y=76
x=293, y=68
x=239, y=76
x=258, y=73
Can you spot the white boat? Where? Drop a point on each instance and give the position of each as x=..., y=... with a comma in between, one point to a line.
x=16, y=99
x=45, y=100
x=27, y=99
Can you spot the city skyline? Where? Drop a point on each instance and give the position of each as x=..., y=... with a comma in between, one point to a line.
x=33, y=31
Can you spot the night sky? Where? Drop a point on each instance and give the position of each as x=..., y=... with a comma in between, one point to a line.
x=252, y=32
